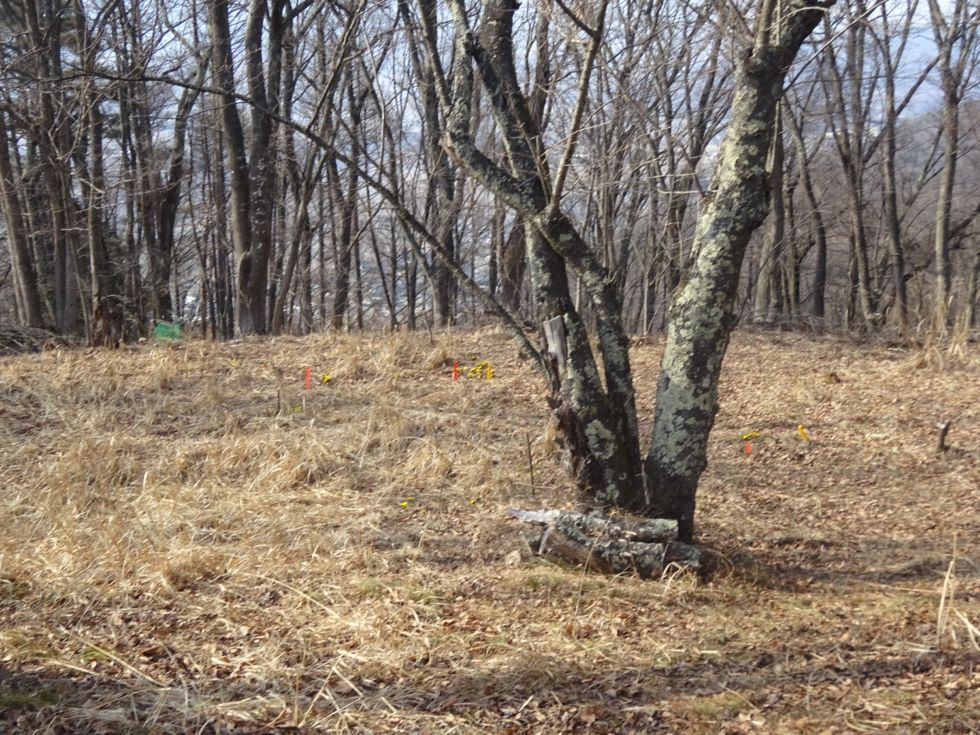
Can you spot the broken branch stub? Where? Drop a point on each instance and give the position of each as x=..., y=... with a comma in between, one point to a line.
x=608, y=545
x=555, y=348
x=942, y=428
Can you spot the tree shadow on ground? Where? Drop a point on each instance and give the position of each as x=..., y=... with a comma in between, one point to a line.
x=790, y=563
x=550, y=694
x=56, y=703
x=523, y=693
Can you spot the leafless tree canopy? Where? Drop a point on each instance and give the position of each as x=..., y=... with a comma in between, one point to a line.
x=280, y=165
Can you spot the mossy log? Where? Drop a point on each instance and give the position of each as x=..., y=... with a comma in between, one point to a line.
x=611, y=545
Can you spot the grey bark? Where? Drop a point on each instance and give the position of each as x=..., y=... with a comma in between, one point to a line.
x=766, y=286
x=956, y=32
x=171, y=190
x=973, y=290
x=45, y=21
x=893, y=226
x=441, y=196
x=252, y=163
x=598, y=427
x=346, y=202
x=237, y=164
x=672, y=79
x=24, y=273
x=849, y=129
x=703, y=315
x=597, y=424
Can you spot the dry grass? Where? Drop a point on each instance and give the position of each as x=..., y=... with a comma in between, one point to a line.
x=192, y=542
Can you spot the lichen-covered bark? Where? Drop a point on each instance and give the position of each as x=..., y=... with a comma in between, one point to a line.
x=597, y=423
x=590, y=446
x=702, y=315
x=597, y=418
x=606, y=544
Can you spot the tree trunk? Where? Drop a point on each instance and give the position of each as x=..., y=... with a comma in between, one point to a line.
x=612, y=545
x=106, y=311
x=973, y=291
x=345, y=243
x=237, y=160
x=893, y=227
x=170, y=197
x=954, y=30
x=45, y=22
x=25, y=276
x=264, y=82
x=703, y=314
x=595, y=418
x=849, y=131
x=766, y=284
x=944, y=204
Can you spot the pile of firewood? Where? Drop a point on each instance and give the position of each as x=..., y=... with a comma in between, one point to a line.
x=608, y=544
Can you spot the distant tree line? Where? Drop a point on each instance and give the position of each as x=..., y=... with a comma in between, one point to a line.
x=271, y=166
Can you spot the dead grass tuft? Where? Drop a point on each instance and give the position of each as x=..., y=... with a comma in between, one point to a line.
x=953, y=628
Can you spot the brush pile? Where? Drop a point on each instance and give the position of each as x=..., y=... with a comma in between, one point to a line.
x=18, y=340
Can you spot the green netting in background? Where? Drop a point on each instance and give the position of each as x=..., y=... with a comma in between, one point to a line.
x=166, y=330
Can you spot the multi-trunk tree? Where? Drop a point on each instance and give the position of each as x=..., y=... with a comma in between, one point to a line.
x=594, y=407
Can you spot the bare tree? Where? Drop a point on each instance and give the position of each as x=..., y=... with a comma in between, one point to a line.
x=955, y=32
x=596, y=419
x=27, y=295
x=252, y=162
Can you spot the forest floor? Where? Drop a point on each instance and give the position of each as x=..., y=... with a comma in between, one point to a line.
x=192, y=542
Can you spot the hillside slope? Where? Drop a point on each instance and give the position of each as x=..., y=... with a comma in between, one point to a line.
x=192, y=541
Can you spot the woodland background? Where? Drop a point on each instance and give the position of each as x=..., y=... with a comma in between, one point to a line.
x=248, y=167
x=194, y=539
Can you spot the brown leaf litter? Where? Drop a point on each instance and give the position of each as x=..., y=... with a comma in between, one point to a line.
x=193, y=542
